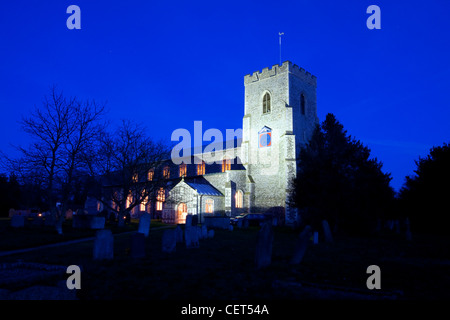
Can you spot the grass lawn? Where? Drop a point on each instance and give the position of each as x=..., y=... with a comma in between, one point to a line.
x=223, y=268
x=33, y=236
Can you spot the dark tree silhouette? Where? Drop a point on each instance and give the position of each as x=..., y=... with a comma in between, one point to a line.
x=424, y=195
x=120, y=168
x=63, y=131
x=338, y=181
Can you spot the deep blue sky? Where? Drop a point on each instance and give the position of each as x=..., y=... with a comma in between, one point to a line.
x=169, y=63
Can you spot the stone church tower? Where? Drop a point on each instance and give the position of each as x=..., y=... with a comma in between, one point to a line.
x=280, y=116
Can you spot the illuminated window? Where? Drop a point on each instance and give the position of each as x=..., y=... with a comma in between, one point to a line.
x=302, y=104
x=266, y=103
x=135, y=177
x=209, y=205
x=226, y=165
x=143, y=205
x=183, y=170
x=150, y=174
x=129, y=200
x=166, y=173
x=160, y=198
x=201, y=168
x=265, y=137
x=239, y=199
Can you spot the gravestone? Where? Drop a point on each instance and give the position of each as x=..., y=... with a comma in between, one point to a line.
x=263, y=256
x=191, y=237
x=301, y=245
x=11, y=212
x=179, y=234
x=144, y=224
x=210, y=234
x=230, y=227
x=17, y=221
x=97, y=222
x=199, y=232
x=103, y=245
x=188, y=220
x=137, y=245
x=316, y=237
x=169, y=241
x=327, y=231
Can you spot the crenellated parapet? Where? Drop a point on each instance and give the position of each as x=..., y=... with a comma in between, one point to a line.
x=287, y=66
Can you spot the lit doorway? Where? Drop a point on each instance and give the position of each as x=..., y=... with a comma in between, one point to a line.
x=181, y=213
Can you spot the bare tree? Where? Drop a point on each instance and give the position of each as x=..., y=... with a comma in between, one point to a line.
x=62, y=130
x=125, y=166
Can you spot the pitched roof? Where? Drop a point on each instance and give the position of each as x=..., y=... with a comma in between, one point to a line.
x=204, y=188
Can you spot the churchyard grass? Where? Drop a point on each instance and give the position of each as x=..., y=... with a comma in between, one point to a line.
x=224, y=268
x=34, y=236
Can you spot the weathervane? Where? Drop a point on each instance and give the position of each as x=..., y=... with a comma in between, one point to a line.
x=280, y=34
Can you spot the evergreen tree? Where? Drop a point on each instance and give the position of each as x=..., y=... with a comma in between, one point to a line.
x=339, y=182
x=423, y=197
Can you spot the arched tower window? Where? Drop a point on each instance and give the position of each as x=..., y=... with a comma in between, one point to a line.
x=266, y=103
x=302, y=104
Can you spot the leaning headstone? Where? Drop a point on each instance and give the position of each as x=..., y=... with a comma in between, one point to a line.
x=144, y=224
x=179, y=234
x=301, y=245
x=103, y=245
x=263, y=256
x=191, y=237
x=327, y=231
x=137, y=245
x=169, y=241
x=210, y=233
x=188, y=220
x=17, y=221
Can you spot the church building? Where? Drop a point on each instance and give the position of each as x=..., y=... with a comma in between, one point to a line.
x=280, y=113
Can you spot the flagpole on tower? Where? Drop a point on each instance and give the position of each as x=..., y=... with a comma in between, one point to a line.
x=280, y=34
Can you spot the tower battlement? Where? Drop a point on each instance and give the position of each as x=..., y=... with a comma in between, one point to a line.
x=276, y=69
